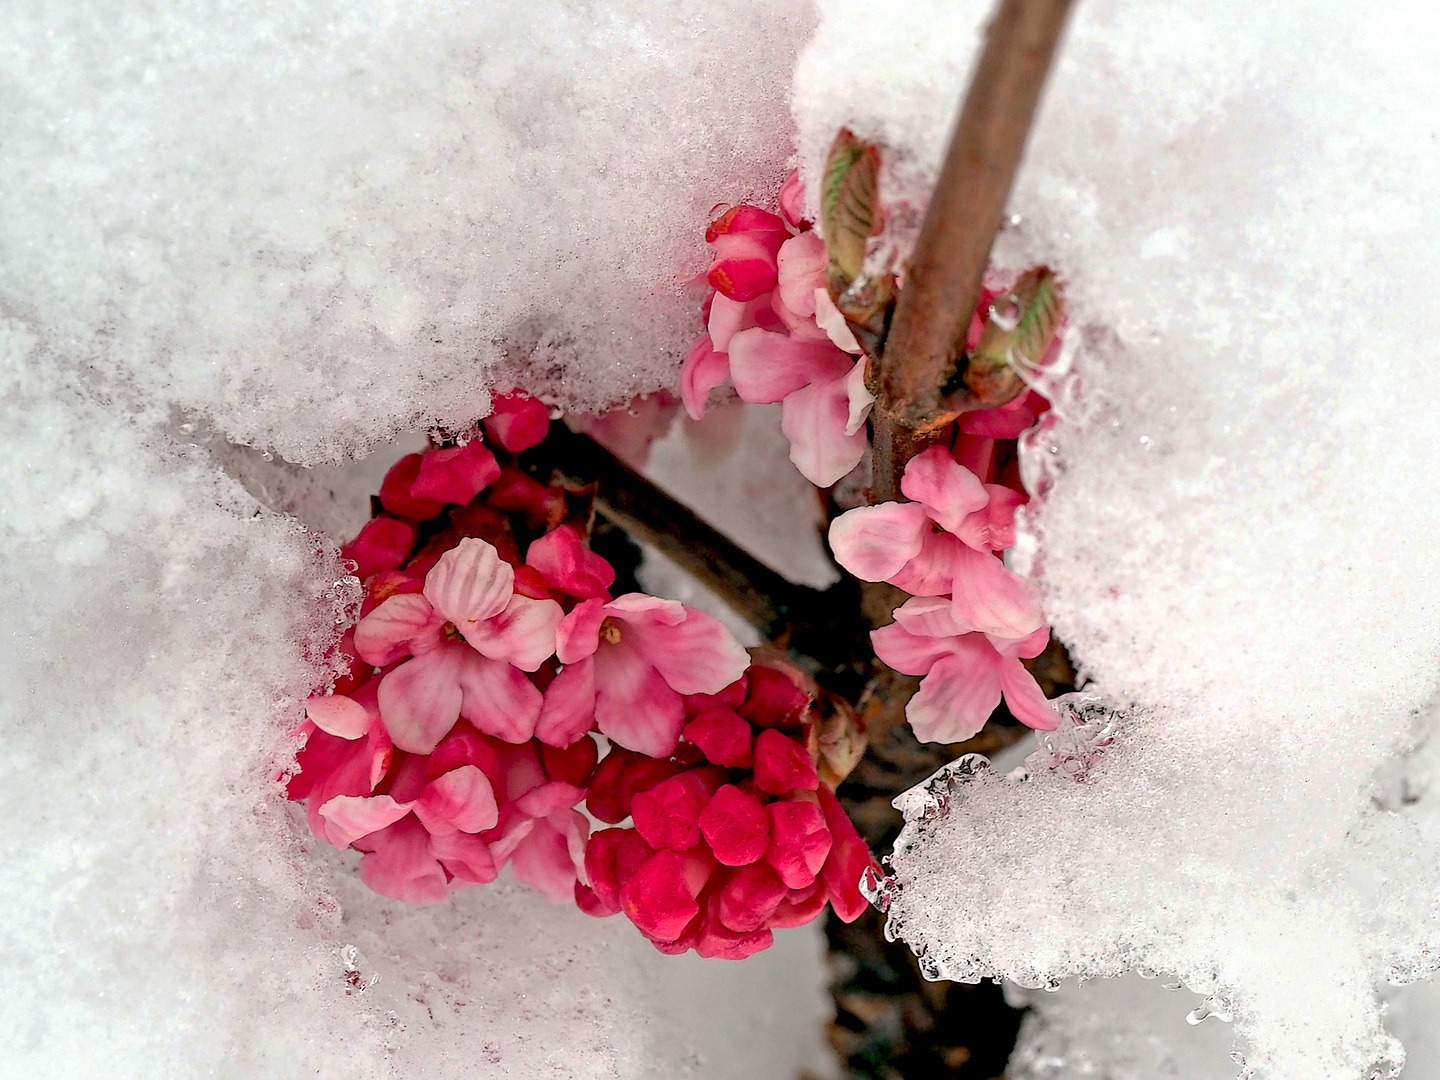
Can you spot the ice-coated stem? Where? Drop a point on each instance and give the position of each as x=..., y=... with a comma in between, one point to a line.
x=925, y=346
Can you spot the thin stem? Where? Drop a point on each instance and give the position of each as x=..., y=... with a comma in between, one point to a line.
x=925, y=346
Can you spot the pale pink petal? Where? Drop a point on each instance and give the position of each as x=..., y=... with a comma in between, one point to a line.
x=766, y=366
x=908, y=652
x=542, y=860
x=498, y=699
x=569, y=709
x=993, y=527
x=549, y=798
x=576, y=828
x=946, y=489
x=728, y=317
x=958, y=695
x=991, y=599
x=801, y=265
x=829, y=319
x=466, y=856
x=1024, y=696
x=420, y=699
x=459, y=799
x=792, y=199
x=578, y=633
x=653, y=610
x=402, y=865
x=814, y=419
x=634, y=706
x=399, y=626
x=523, y=634
x=874, y=542
x=471, y=582
x=1027, y=647
x=349, y=817
x=513, y=828
x=858, y=397
x=931, y=616
x=696, y=656
x=702, y=371
x=932, y=571
x=338, y=715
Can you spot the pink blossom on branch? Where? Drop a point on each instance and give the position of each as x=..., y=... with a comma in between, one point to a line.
x=627, y=663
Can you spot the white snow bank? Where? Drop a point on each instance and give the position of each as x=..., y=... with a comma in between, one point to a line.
x=319, y=225
x=1239, y=539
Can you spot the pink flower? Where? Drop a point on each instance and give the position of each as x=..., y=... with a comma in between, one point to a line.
x=941, y=543
x=627, y=663
x=746, y=240
x=965, y=672
x=469, y=594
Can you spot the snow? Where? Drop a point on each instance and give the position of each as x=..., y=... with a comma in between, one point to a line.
x=1237, y=540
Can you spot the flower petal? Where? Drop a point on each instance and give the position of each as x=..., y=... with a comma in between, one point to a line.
x=858, y=397
x=829, y=319
x=801, y=265
x=792, y=199
x=815, y=419
x=518, y=421
x=470, y=582
x=578, y=634
x=874, y=542
x=703, y=369
x=466, y=856
x=638, y=608
x=349, y=817
x=569, y=708
x=959, y=694
x=543, y=861
x=569, y=566
x=696, y=656
x=634, y=706
x=931, y=616
x=932, y=572
x=523, y=634
x=498, y=699
x=993, y=527
x=1024, y=696
x=991, y=599
x=727, y=318
x=946, y=489
x=459, y=799
x=766, y=366
x=420, y=700
x=402, y=865
x=401, y=625
x=338, y=715
x=455, y=474
x=906, y=651
x=382, y=544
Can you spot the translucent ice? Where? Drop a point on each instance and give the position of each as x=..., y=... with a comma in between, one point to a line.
x=1238, y=539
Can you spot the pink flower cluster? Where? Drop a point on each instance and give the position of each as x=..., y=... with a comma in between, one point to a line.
x=774, y=333
x=488, y=654
x=733, y=835
x=970, y=619
x=459, y=739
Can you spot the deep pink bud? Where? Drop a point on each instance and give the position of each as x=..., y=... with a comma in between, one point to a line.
x=800, y=906
x=773, y=700
x=573, y=764
x=722, y=736
x=782, y=764
x=605, y=799
x=591, y=904
x=657, y=899
x=799, y=841
x=600, y=853
x=383, y=544
x=736, y=826
x=668, y=815
x=395, y=493
x=569, y=566
x=746, y=901
x=717, y=941
x=848, y=858
x=518, y=422
x=455, y=474
x=516, y=493
x=746, y=241
x=732, y=697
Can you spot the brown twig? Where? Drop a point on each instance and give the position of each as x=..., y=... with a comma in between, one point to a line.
x=925, y=345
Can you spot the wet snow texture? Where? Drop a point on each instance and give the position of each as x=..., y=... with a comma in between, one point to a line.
x=1240, y=537
x=307, y=228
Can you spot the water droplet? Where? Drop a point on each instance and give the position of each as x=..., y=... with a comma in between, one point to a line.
x=1006, y=311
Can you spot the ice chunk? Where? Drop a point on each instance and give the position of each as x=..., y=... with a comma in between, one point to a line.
x=1237, y=539
x=319, y=226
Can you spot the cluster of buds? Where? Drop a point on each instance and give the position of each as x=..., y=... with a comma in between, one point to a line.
x=489, y=667
x=737, y=832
